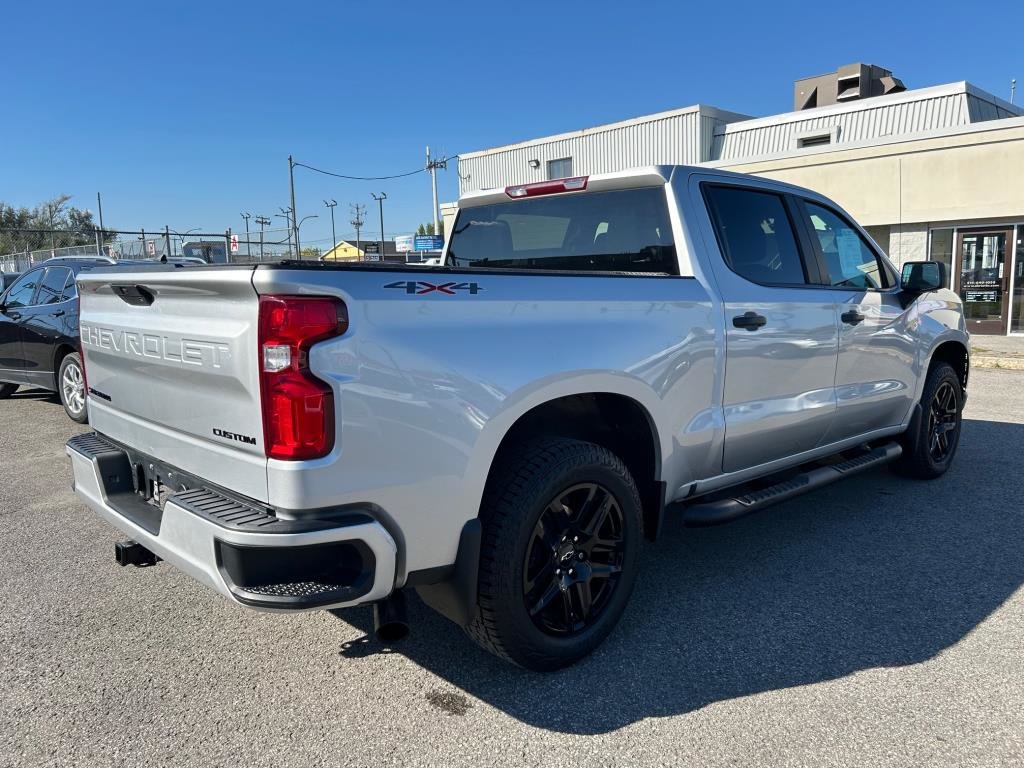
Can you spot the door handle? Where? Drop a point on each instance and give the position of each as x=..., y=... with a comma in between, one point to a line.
x=853, y=317
x=749, y=320
x=58, y=313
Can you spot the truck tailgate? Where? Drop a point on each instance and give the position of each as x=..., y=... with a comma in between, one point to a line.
x=171, y=364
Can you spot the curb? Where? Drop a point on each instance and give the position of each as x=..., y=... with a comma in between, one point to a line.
x=1004, y=363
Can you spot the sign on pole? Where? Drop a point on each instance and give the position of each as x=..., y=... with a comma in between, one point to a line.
x=151, y=247
x=428, y=242
x=234, y=243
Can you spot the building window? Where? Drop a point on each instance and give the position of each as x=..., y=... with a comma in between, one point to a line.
x=560, y=169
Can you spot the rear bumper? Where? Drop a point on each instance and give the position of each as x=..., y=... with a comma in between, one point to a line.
x=241, y=550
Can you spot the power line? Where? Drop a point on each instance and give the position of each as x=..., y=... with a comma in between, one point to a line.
x=361, y=178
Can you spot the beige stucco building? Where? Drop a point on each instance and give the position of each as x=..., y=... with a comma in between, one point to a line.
x=932, y=173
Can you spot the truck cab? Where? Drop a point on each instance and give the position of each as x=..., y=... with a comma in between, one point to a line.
x=595, y=355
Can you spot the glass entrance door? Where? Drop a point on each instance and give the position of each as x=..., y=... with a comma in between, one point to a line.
x=1017, y=311
x=984, y=277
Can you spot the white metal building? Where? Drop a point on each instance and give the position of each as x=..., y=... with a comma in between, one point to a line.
x=932, y=173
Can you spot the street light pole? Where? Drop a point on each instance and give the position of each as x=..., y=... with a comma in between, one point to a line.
x=311, y=216
x=334, y=237
x=380, y=201
x=248, y=245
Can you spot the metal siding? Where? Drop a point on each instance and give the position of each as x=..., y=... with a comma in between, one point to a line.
x=733, y=142
x=673, y=140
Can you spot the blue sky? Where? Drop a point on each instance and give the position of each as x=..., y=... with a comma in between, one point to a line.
x=184, y=113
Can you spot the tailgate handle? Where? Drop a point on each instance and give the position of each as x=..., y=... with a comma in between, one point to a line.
x=136, y=295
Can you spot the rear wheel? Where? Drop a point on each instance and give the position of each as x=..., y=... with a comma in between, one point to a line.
x=559, y=557
x=929, y=450
x=6, y=390
x=71, y=381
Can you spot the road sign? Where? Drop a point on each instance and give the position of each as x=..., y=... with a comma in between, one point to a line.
x=403, y=243
x=151, y=247
x=428, y=242
x=234, y=243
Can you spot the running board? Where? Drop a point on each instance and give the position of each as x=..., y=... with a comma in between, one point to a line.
x=707, y=513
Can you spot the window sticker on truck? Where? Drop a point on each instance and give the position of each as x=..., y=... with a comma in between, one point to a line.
x=419, y=287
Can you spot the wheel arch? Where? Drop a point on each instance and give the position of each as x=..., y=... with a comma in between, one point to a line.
x=957, y=354
x=620, y=418
x=62, y=350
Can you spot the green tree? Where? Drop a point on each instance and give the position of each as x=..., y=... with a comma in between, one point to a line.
x=51, y=224
x=428, y=228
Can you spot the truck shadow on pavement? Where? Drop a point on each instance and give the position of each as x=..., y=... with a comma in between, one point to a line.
x=878, y=571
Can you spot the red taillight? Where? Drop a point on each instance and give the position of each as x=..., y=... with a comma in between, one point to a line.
x=298, y=408
x=575, y=184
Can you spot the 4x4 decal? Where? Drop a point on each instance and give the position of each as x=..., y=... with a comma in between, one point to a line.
x=417, y=287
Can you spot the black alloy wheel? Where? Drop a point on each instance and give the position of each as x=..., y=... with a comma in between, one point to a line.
x=574, y=559
x=943, y=422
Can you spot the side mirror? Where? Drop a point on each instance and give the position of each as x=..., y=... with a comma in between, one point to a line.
x=923, y=276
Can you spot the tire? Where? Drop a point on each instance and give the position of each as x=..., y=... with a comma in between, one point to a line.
x=71, y=388
x=562, y=524
x=929, y=450
x=6, y=390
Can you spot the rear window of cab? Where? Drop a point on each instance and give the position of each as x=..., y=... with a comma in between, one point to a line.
x=620, y=231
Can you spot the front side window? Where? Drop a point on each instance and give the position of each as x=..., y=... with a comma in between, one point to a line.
x=755, y=235
x=850, y=261
x=619, y=231
x=560, y=169
x=51, y=289
x=21, y=293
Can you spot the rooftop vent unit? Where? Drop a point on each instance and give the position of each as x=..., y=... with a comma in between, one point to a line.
x=848, y=83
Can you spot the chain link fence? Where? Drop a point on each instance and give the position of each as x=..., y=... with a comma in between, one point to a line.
x=216, y=248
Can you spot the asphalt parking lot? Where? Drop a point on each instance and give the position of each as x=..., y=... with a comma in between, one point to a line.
x=879, y=621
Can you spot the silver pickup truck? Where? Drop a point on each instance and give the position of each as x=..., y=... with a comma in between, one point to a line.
x=502, y=432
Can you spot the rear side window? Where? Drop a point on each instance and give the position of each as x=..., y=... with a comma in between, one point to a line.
x=620, y=231
x=755, y=235
x=52, y=287
x=70, y=289
x=849, y=260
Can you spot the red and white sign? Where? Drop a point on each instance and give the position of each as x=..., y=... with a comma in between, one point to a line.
x=234, y=243
x=151, y=247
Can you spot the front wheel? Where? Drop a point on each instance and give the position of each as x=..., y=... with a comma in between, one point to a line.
x=561, y=540
x=929, y=449
x=71, y=381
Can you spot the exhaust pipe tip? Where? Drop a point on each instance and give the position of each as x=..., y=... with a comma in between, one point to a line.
x=391, y=618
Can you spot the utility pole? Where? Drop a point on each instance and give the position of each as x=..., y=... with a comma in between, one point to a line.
x=99, y=205
x=357, y=222
x=432, y=166
x=248, y=245
x=380, y=200
x=286, y=214
x=334, y=237
x=262, y=221
x=1013, y=89
x=295, y=213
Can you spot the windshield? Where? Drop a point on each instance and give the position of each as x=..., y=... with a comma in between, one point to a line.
x=620, y=231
